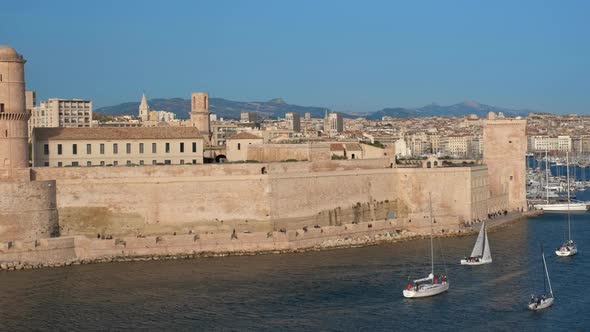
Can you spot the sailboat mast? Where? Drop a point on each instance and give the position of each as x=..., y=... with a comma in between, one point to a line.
x=483, y=247
x=567, y=164
x=431, y=233
x=546, y=174
x=546, y=275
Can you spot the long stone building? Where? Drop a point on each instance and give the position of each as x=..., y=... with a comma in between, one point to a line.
x=39, y=202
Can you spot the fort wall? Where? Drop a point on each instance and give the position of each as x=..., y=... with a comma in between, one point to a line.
x=258, y=197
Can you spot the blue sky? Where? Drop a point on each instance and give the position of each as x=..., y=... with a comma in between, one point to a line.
x=346, y=55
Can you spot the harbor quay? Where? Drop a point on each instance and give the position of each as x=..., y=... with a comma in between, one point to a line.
x=76, y=250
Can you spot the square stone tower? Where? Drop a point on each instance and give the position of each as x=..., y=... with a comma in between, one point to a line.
x=200, y=113
x=504, y=152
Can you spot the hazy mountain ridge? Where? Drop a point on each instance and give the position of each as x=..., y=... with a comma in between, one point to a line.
x=277, y=107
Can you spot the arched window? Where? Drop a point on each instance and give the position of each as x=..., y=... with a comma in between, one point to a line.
x=239, y=146
x=263, y=170
x=428, y=165
x=436, y=164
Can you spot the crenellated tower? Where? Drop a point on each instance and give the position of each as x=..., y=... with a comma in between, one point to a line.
x=14, y=148
x=27, y=208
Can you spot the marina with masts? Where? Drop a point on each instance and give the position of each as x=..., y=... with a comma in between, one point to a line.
x=549, y=185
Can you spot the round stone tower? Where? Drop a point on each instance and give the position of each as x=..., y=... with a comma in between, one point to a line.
x=200, y=112
x=27, y=208
x=14, y=148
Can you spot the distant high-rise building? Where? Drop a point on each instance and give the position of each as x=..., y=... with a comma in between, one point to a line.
x=57, y=112
x=293, y=121
x=248, y=117
x=307, y=116
x=334, y=124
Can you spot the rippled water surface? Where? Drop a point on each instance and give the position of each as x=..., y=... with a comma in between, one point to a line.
x=349, y=289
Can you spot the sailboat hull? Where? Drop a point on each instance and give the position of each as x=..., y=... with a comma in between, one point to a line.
x=546, y=303
x=565, y=253
x=480, y=262
x=426, y=290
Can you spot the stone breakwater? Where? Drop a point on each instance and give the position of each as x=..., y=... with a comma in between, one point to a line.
x=76, y=250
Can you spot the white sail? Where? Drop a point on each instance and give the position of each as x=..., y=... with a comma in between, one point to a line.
x=487, y=254
x=478, y=248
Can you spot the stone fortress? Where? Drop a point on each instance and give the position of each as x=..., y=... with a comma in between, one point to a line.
x=221, y=206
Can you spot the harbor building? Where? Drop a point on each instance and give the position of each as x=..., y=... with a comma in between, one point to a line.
x=112, y=146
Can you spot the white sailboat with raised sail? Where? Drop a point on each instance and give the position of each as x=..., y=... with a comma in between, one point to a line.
x=430, y=285
x=538, y=302
x=567, y=248
x=481, y=253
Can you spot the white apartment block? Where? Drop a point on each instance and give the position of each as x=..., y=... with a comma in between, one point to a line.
x=56, y=112
x=543, y=143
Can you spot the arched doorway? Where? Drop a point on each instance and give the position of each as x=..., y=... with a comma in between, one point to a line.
x=220, y=158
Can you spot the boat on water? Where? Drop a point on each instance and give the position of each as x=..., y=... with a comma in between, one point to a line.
x=481, y=253
x=431, y=285
x=562, y=207
x=539, y=302
x=567, y=248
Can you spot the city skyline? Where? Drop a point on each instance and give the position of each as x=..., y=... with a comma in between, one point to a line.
x=342, y=56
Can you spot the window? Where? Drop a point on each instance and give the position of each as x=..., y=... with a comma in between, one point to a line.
x=141, y=162
x=194, y=146
x=115, y=163
x=153, y=147
x=75, y=163
x=182, y=147
x=128, y=148
x=194, y=161
x=88, y=148
x=102, y=149
x=167, y=162
x=74, y=148
x=59, y=149
x=140, y=147
x=88, y=163
x=154, y=162
x=115, y=148
x=167, y=147
x=46, y=149
x=46, y=163
x=1, y=108
x=59, y=164
x=239, y=146
x=128, y=162
x=182, y=162
x=102, y=163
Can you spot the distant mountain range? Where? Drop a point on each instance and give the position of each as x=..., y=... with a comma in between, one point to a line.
x=277, y=107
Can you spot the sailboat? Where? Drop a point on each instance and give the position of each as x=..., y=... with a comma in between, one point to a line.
x=430, y=285
x=568, y=248
x=543, y=301
x=481, y=253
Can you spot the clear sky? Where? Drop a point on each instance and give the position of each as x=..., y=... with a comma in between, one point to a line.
x=346, y=55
